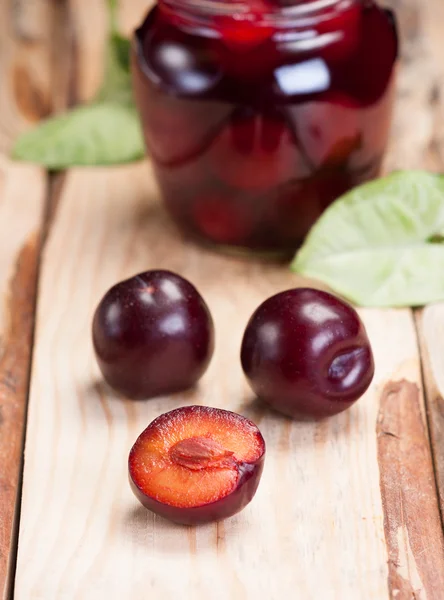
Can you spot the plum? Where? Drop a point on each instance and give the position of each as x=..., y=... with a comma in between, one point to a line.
x=153, y=334
x=306, y=353
x=197, y=464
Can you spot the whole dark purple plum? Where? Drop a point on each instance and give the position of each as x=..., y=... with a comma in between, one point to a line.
x=306, y=353
x=153, y=334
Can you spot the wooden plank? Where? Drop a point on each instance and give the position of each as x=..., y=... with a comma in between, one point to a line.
x=25, y=67
x=318, y=524
x=29, y=91
x=35, y=77
x=430, y=323
x=416, y=142
x=336, y=515
x=90, y=23
x=418, y=126
x=132, y=13
x=412, y=520
x=423, y=146
x=22, y=199
x=33, y=69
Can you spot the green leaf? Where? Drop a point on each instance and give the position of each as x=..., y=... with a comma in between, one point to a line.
x=100, y=134
x=381, y=244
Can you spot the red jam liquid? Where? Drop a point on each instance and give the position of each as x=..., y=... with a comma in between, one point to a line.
x=253, y=130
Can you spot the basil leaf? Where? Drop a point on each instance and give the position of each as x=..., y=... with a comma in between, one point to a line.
x=99, y=134
x=381, y=243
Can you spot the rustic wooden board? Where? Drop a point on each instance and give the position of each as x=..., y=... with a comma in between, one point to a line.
x=430, y=323
x=22, y=199
x=89, y=24
x=28, y=92
x=426, y=102
x=34, y=71
x=318, y=523
x=347, y=509
x=418, y=127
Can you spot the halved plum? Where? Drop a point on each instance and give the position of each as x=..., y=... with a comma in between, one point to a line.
x=197, y=464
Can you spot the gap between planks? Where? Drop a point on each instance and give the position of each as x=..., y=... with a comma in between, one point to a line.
x=38, y=80
x=89, y=84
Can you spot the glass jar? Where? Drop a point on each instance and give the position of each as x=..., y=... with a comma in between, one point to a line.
x=257, y=114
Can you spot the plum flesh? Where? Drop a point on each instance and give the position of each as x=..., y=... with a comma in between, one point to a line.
x=197, y=464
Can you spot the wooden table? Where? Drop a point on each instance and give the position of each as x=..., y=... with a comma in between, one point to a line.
x=348, y=509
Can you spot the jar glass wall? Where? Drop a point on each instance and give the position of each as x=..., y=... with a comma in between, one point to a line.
x=258, y=114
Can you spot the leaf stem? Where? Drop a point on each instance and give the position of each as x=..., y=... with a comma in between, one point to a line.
x=113, y=6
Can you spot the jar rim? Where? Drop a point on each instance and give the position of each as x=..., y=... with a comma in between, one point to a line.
x=300, y=14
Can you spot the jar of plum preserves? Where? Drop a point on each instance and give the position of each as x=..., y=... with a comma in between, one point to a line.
x=257, y=114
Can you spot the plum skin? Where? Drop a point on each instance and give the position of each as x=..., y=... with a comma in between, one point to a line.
x=306, y=353
x=237, y=500
x=153, y=334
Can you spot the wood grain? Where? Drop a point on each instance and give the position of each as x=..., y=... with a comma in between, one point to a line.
x=317, y=523
x=412, y=520
x=35, y=82
x=90, y=24
x=132, y=13
x=430, y=323
x=33, y=69
x=325, y=522
x=22, y=199
x=418, y=127
x=418, y=142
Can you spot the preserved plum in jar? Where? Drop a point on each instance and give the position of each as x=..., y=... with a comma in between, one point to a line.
x=258, y=114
